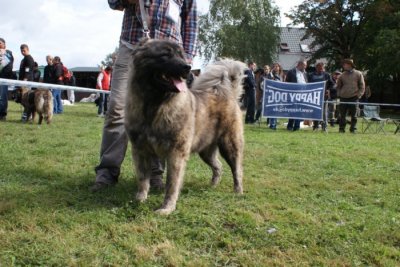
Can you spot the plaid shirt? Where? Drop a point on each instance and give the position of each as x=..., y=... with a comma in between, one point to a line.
x=161, y=26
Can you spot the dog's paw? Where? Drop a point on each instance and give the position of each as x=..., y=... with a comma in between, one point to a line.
x=239, y=190
x=215, y=181
x=165, y=211
x=141, y=196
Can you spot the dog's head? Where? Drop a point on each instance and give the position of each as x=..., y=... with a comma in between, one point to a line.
x=161, y=63
x=18, y=94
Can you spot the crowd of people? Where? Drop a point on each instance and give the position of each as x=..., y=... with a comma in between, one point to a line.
x=54, y=73
x=346, y=87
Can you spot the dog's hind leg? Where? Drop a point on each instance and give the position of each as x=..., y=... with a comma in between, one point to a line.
x=231, y=149
x=175, y=170
x=143, y=171
x=210, y=156
x=40, y=118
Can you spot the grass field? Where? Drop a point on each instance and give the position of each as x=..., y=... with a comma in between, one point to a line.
x=311, y=199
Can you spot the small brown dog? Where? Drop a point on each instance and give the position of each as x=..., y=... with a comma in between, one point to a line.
x=39, y=100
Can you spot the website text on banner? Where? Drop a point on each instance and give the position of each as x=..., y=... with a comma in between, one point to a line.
x=293, y=100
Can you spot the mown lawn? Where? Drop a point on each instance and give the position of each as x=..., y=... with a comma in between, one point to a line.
x=311, y=199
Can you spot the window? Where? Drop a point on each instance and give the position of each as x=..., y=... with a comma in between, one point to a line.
x=305, y=48
x=284, y=47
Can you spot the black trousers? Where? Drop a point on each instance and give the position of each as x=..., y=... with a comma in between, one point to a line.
x=350, y=109
x=251, y=105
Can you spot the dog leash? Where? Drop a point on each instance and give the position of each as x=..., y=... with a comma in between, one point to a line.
x=145, y=17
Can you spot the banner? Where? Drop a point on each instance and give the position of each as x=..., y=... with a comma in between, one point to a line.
x=293, y=100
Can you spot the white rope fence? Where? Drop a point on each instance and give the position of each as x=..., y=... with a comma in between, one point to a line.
x=49, y=86
x=362, y=103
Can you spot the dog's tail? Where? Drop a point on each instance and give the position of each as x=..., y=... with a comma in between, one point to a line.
x=223, y=77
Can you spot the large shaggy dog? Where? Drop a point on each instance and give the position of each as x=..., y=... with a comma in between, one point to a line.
x=36, y=101
x=164, y=119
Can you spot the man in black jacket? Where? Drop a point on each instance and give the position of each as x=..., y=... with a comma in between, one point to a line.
x=27, y=64
x=6, y=66
x=296, y=75
x=26, y=71
x=250, y=92
x=319, y=75
x=48, y=70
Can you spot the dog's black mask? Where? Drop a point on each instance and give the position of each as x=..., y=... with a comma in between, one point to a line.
x=17, y=95
x=162, y=64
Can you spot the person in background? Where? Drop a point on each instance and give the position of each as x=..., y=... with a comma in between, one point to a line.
x=26, y=71
x=36, y=74
x=250, y=92
x=58, y=78
x=103, y=83
x=71, y=93
x=6, y=72
x=350, y=88
x=48, y=70
x=276, y=75
x=332, y=112
x=27, y=64
x=296, y=75
x=319, y=75
x=260, y=74
x=179, y=26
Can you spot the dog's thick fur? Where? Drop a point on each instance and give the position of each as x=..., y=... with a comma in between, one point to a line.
x=166, y=120
x=36, y=101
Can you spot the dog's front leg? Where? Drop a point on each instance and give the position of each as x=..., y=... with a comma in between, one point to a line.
x=175, y=172
x=143, y=171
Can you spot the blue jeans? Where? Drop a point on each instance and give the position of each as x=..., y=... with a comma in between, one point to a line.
x=102, y=104
x=57, y=103
x=3, y=100
x=272, y=123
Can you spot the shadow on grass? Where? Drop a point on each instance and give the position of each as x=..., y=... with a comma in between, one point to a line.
x=37, y=189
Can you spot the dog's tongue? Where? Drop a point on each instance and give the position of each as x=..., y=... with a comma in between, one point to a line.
x=179, y=85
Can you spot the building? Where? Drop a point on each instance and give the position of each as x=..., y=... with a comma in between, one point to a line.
x=85, y=77
x=292, y=48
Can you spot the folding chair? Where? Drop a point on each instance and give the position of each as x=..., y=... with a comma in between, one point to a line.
x=372, y=121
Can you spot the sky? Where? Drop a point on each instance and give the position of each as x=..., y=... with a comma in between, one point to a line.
x=80, y=32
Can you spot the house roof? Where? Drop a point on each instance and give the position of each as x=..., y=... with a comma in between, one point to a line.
x=292, y=48
x=85, y=69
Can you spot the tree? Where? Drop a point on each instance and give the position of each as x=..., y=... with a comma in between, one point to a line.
x=335, y=25
x=366, y=30
x=110, y=58
x=244, y=30
x=381, y=55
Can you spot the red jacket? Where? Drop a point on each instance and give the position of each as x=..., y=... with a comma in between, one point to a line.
x=105, y=82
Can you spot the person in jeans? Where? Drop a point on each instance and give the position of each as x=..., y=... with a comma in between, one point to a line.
x=296, y=75
x=6, y=67
x=58, y=78
x=319, y=75
x=103, y=83
x=276, y=75
x=350, y=87
x=332, y=112
x=171, y=20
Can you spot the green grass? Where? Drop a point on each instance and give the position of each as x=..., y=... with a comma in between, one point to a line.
x=311, y=199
